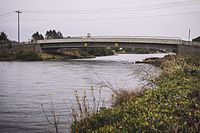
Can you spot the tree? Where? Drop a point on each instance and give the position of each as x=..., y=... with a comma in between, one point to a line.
x=59, y=35
x=36, y=36
x=52, y=34
x=3, y=37
x=196, y=39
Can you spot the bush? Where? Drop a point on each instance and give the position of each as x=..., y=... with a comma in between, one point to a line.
x=174, y=106
x=6, y=56
x=27, y=56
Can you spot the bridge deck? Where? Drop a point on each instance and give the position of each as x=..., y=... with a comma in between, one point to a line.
x=117, y=41
x=146, y=40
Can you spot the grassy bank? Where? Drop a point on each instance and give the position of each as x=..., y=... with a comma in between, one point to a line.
x=76, y=53
x=63, y=54
x=157, y=61
x=20, y=56
x=172, y=106
x=79, y=53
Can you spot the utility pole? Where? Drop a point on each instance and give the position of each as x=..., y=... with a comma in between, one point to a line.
x=18, y=12
x=189, y=35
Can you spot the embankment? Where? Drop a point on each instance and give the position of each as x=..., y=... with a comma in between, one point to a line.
x=31, y=53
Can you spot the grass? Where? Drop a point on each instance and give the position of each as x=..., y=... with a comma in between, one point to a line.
x=50, y=57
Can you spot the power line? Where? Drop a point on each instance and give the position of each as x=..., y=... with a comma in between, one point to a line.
x=8, y=21
x=120, y=9
x=105, y=19
x=6, y=14
x=112, y=10
x=136, y=7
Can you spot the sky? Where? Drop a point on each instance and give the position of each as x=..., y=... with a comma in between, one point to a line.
x=168, y=18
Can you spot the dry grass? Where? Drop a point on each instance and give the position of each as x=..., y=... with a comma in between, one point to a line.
x=47, y=57
x=124, y=96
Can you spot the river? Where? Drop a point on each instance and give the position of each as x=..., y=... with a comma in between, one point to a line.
x=24, y=86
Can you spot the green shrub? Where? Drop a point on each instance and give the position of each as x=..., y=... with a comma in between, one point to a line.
x=27, y=56
x=174, y=106
x=5, y=56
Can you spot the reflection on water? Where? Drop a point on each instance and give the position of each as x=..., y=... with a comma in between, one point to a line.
x=24, y=86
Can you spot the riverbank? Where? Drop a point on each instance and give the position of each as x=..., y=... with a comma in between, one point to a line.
x=59, y=56
x=33, y=56
x=20, y=56
x=157, y=61
x=173, y=105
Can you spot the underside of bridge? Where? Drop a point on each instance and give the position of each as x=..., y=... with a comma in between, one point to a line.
x=51, y=47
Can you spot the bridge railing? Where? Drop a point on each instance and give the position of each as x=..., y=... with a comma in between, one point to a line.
x=124, y=37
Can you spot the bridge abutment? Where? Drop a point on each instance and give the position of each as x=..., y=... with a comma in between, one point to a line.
x=189, y=49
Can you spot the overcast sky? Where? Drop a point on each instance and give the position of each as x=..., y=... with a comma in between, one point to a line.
x=170, y=18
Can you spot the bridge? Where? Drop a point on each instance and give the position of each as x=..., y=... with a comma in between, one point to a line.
x=172, y=43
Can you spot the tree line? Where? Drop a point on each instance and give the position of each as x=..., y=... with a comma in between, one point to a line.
x=53, y=34
x=50, y=34
x=3, y=36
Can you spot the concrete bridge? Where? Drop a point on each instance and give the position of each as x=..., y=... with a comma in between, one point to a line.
x=175, y=44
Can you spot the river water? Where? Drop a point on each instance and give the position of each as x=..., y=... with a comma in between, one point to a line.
x=24, y=86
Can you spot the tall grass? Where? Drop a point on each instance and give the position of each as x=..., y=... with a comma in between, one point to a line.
x=85, y=108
